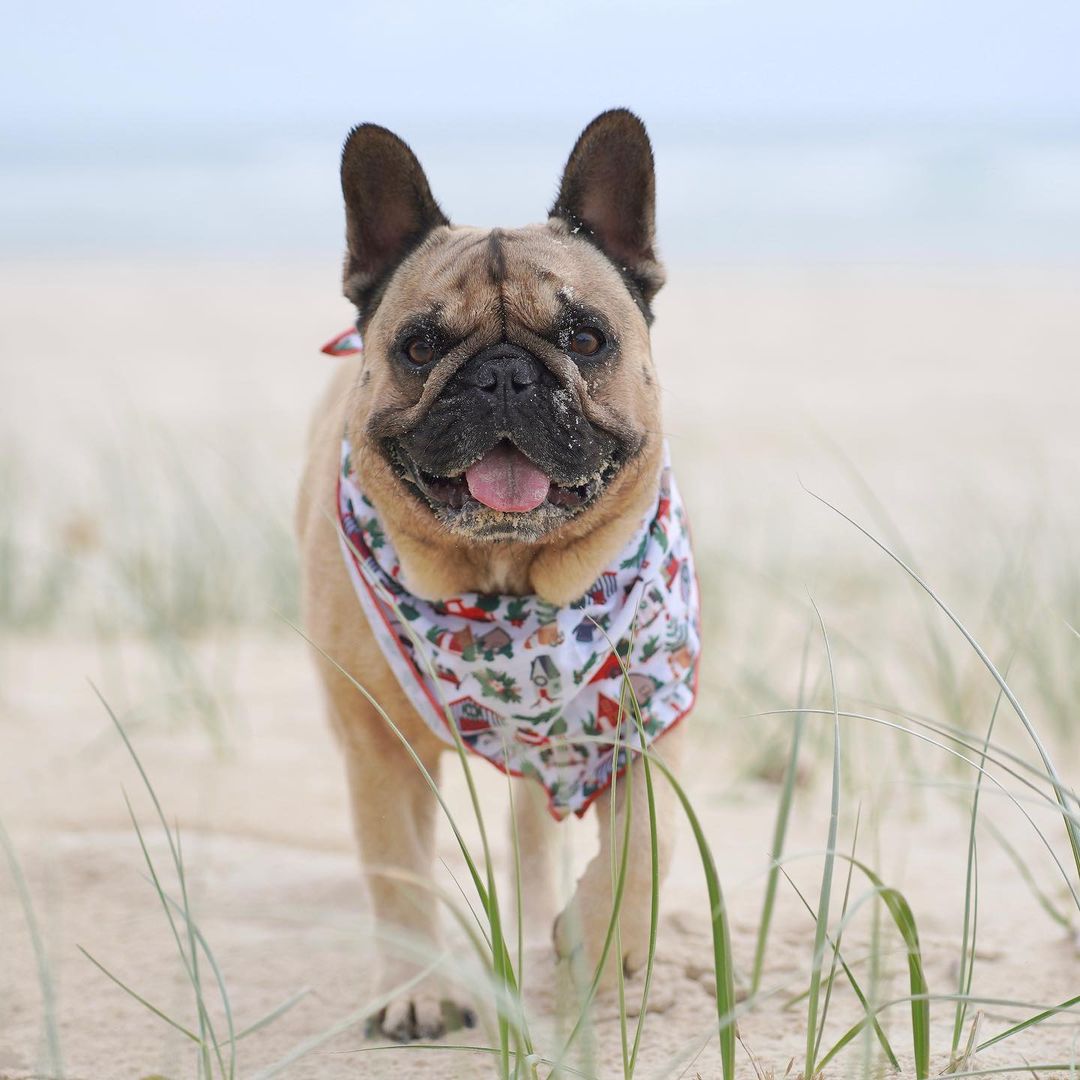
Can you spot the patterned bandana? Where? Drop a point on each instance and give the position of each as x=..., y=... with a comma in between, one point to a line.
x=532, y=687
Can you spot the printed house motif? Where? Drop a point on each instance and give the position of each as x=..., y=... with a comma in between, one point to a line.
x=643, y=686
x=545, y=675
x=605, y=586
x=494, y=640
x=607, y=711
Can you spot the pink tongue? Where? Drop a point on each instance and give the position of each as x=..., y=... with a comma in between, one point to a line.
x=505, y=479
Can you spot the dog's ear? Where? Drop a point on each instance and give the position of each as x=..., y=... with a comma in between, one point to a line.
x=608, y=192
x=389, y=209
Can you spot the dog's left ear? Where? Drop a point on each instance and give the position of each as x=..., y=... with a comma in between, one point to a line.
x=389, y=209
x=608, y=191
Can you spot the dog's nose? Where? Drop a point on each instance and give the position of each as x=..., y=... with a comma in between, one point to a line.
x=506, y=375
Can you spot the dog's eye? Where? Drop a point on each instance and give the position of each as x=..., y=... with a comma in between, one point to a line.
x=586, y=340
x=419, y=351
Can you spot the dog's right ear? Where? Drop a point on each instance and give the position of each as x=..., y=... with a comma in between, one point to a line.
x=389, y=209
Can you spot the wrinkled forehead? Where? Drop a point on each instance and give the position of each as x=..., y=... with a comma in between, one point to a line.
x=472, y=278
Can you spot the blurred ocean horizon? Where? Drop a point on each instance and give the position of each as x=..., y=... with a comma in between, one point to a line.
x=876, y=190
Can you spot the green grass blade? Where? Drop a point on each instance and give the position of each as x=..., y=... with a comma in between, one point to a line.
x=654, y=887
x=1031, y=1021
x=627, y=691
x=139, y=998
x=886, y=1046
x=357, y=1016
x=988, y=775
x=533, y=1059
x=825, y=894
x=1042, y=899
x=1061, y=793
x=273, y=1014
x=968, y=934
x=723, y=962
x=206, y=1031
x=45, y=980
x=206, y=1028
x=502, y=963
x=835, y=945
x=783, y=816
x=609, y=939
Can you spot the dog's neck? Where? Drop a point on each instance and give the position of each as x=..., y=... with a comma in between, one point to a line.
x=560, y=572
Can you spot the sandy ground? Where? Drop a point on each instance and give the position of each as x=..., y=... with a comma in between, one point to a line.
x=956, y=393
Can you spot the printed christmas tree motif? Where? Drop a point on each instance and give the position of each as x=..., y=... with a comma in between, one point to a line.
x=346, y=465
x=688, y=675
x=678, y=633
x=559, y=727
x=585, y=668
x=376, y=536
x=407, y=611
x=651, y=647
x=527, y=768
x=659, y=534
x=638, y=557
x=589, y=725
x=517, y=611
x=540, y=719
x=499, y=685
x=652, y=725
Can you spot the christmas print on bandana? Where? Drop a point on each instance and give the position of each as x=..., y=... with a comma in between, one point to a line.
x=532, y=687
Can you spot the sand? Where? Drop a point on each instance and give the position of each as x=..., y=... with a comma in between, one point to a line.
x=954, y=391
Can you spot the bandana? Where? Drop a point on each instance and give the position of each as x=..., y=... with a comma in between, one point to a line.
x=534, y=688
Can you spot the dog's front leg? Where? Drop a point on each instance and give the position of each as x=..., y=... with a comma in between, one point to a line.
x=584, y=922
x=394, y=816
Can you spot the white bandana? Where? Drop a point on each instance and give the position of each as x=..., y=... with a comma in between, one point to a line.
x=532, y=687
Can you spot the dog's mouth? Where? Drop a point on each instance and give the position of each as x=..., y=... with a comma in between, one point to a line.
x=502, y=495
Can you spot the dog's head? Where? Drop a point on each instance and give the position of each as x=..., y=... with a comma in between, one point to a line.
x=507, y=389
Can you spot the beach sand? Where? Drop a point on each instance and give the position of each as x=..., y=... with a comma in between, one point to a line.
x=952, y=392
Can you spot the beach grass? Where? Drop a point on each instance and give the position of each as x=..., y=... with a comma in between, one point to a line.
x=179, y=576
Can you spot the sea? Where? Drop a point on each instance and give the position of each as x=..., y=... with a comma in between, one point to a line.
x=767, y=192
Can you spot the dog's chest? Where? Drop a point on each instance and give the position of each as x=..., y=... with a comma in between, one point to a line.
x=504, y=574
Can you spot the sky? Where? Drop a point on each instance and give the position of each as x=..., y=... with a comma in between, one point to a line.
x=217, y=61
x=799, y=130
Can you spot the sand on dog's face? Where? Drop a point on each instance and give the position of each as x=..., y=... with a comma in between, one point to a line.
x=940, y=388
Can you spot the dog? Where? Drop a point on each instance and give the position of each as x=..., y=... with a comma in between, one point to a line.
x=487, y=478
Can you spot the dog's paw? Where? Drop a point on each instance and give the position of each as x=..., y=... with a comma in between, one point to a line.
x=578, y=936
x=419, y=1017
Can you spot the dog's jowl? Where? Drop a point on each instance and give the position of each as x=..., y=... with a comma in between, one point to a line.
x=493, y=542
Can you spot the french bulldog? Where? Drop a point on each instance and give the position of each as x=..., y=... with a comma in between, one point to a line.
x=503, y=422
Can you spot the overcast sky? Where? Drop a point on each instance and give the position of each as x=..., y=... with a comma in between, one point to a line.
x=317, y=61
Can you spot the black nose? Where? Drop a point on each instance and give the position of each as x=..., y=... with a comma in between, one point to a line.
x=509, y=374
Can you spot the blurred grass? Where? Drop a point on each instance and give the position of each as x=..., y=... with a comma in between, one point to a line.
x=152, y=539
x=173, y=551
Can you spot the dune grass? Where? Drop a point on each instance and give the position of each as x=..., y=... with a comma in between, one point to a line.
x=820, y=736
